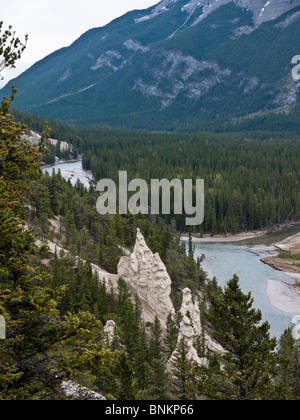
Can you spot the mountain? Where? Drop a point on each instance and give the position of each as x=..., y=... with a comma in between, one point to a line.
x=178, y=64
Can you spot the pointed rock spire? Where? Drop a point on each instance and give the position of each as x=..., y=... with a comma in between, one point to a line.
x=109, y=331
x=188, y=306
x=147, y=276
x=187, y=333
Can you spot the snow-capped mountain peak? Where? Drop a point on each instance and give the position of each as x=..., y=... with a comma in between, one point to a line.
x=262, y=10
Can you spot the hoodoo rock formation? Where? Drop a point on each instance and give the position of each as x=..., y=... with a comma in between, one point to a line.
x=147, y=277
x=190, y=310
x=109, y=331
x=187, y=332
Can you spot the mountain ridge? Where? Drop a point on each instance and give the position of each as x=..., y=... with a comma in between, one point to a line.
x=175, y=63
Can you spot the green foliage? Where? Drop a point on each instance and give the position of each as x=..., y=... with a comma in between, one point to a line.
x=156, y=341
x=289, y=351
x=160, y=382
x=250, y=362
x=42, y=348
x=183, y=370
x=11, y=47
x=172, y=333
x=251, y=179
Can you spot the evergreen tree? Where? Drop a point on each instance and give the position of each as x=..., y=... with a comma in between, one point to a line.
x=183, y=370
x=289, y=372
x=141, y=364
x=11, y=47
x=41, y=348
x=191, y=249
x=130, y=332
x=124, y=372
x=172, y=335
x=160, y=384
x=156, y=350
x=250, y=362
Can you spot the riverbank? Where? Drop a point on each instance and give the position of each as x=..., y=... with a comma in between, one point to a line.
x=267, y=237
x=207, y=238
x=61, y=161
x=282, y=295
x=290, y=264
x=283, y=264
x=72, y=171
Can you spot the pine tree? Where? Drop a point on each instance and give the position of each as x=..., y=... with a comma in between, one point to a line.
x=250, y=363
x=171, y=336
x=160, y=384
x=156, y=350
x=11, y=47
x=191, y=249
x=41, y=347
x=124, y=372
x=130, y=332
x=141, y=363
x=289, y=354
x=183, y=370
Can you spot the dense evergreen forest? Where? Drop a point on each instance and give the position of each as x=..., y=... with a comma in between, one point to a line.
x=99, y=239
x=55, y=307
x=251, y=177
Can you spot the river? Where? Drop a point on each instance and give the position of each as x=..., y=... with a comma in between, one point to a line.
x=223, y=260
x=71, y=171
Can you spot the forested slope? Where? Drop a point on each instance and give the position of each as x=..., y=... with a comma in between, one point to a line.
x=251, y=178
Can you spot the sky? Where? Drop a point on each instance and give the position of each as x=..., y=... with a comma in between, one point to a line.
x=53, y=24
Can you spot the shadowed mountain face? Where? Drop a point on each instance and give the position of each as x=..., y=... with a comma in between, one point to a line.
x=175, y=65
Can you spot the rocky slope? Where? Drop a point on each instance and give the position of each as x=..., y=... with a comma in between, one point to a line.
x=147, y=277
x=178, y=64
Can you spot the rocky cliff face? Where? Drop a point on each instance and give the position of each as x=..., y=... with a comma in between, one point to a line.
x=146, y=276
x=175, y=65
x=191, y=309
x=173, y=73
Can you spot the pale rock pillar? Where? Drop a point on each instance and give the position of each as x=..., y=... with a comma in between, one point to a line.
x=147, y=277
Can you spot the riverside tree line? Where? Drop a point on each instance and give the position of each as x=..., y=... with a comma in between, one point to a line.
x=251, y=177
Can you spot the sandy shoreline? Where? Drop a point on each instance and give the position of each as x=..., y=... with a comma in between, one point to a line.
x=224, y=239
x=282, y=264
x=288, y=265
x=238, y=237
x=282, y=295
